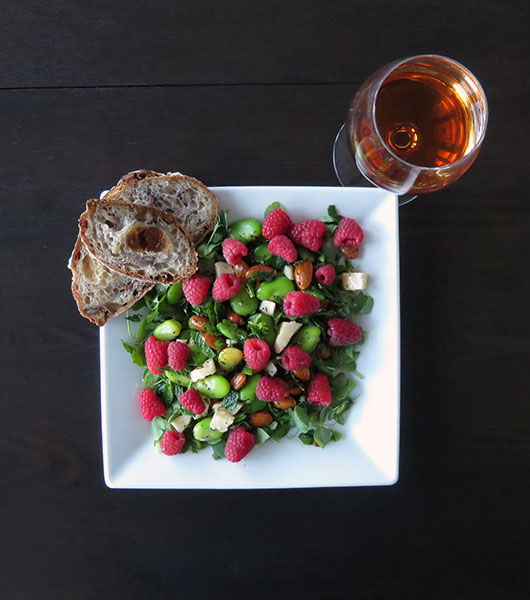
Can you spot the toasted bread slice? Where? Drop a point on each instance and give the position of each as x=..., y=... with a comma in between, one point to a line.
x=187, y=199
x=99, y=292
x=137, y=241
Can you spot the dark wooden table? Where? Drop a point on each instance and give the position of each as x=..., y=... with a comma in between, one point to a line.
x=253, y=93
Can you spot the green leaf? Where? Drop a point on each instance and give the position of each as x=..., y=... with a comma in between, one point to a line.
x=218, y=450
x=307, y=438
x=159, y=426
x=253, y=406
x=128, y=348
x=273, y=206
x=134, y=318
x=323, y=435
x=230, y=400
x=333, y=215
x=279, y=432
x=260, y=436
x=337, y=413
x=301, y=418
x=246, y=370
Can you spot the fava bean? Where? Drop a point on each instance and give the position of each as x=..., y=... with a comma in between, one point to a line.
x=229, y=358
x=245, y=230
x=248, y=391
x=168, y=330
x=263, y=326
x=204, y=433
x=226, y=328
x=307, y=338
x=243, y=304
x=175, y=293
x=178, y=378
x=214, y=386
x=275, y=290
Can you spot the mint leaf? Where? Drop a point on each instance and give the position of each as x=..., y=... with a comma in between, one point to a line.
x=230, y=400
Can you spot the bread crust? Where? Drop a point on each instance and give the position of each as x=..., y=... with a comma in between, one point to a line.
x=132, y=179
x=160, y=277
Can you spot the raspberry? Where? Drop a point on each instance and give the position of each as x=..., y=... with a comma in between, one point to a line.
x=319, y=392
x=195, y=288
x=177, y=355
x=282, y=246
x=233, y=251
x=271, y=389
x=257, y=353
x=191, y=400
x=309, y=234
x=325, y=274
x=150, y=405
x=276, y=223
x=171, y=442
x=348, y=233
x=239, y=443
x=298, y=304
x=295, y=358
x=155, y=354
x=342, y=332
x=225, y=287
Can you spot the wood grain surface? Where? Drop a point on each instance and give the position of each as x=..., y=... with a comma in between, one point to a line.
x=248, y=93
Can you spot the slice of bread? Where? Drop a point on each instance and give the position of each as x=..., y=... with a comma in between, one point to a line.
x=187, y=199
x=137, y=241
x=99, y=292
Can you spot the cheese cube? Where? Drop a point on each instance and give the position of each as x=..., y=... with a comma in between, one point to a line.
x=270, y=369
x=207, y=368
x=181, y=422
x=223, y=267
x=221, y=419
x=288, y=271
x=267, y=307
x=354, y=281
x=285, y=333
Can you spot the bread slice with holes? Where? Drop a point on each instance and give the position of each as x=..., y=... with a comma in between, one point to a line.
x=99, y=292
x=137, y=241
x=190, y=202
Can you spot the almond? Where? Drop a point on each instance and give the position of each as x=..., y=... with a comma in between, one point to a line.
x=295, y=391
x=238, y=381
x=284, y=403
x=241, y=270
x=235, y=318
x=199, y=323
x=211, y=340
x=349, y=252
x=261, y=418
x=302, y=374
x=262, y=268
x=303, y=274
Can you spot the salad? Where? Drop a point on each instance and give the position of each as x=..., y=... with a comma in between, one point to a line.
x=260, y=343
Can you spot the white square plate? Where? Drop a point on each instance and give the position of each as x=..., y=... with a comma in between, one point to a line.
x=368, y=451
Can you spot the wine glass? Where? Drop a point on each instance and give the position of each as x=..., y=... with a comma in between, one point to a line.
x=415, y=126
